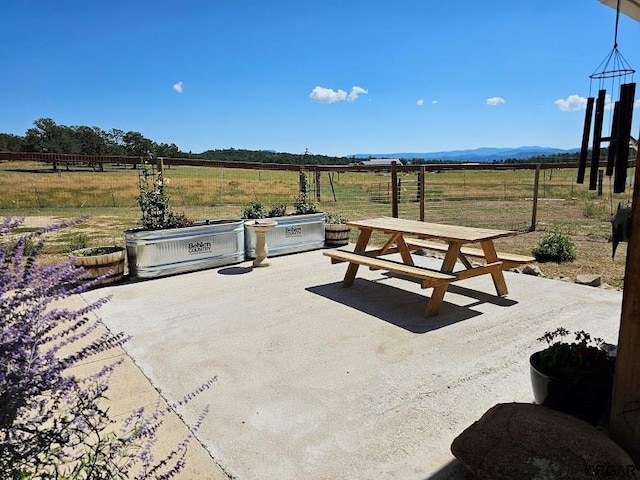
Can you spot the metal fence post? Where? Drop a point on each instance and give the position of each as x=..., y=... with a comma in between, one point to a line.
x=600, y=179
x=536, y=186
x=316, y=175
x=421, y=184
x=394, y=190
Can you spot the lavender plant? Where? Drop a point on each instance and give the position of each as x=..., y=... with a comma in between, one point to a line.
x=54, y=425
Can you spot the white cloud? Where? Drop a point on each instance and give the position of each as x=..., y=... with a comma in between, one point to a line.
x=572, y=103
x=356, y=92
x=434, y=102
x=420, y=102
x=608, y=104
x=493, y=101
x=178, y=87
x=328, y=95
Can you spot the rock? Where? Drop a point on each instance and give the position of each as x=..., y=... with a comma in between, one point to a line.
x=590, y=280
x=530, y=269
x=522, y=440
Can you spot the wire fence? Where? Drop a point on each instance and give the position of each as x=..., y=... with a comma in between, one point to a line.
x=510, y=197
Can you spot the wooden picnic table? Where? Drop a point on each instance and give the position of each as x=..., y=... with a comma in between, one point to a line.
x=407, y=235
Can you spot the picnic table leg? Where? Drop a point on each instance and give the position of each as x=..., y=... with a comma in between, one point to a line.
x=397, y=239
x=433, y=305
x=391, y=242
x=490, y=255
x=361, y=246
x=405, y=253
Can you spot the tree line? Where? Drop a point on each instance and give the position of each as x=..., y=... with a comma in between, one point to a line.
x=48, y=137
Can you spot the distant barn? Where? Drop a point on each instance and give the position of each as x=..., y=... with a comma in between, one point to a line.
x=380, y=162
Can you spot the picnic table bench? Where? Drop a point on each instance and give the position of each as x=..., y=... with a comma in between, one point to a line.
x=428, y=278
x=509, y=260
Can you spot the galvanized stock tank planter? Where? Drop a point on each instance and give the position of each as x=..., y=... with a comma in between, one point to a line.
x=293, y=234
x=205, y=244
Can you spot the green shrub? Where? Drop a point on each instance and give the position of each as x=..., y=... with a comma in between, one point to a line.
x=555, y=247
x=593, y=210
x=254, y=210
x=334, y=218
x=30, y=246
x=303, y=206
x=78, y=242
x=278, y=210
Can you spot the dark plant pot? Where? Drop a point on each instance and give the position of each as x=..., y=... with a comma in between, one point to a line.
x=585, y=397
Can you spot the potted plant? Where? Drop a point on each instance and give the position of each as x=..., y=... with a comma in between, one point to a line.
x=166, y=243
x=103, y=265
x=336, y=232
x=573, y=377
x=299, y=231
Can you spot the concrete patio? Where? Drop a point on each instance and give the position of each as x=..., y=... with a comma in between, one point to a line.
x=316, y=381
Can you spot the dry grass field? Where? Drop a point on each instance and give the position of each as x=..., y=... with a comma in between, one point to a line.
x=493, y=199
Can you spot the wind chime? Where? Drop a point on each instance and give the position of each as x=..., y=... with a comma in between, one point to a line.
x=613, y=68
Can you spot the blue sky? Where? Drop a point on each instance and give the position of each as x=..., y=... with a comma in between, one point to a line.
x=335, y=77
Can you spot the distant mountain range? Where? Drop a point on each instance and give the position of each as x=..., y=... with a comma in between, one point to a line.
x=478, y=155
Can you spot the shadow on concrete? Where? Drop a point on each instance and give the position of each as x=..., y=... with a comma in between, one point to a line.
x=481, y=297
x=235, y=270
x=454, y=470
x=394, y=305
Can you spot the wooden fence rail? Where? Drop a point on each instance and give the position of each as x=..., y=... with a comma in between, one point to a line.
x=394, y=191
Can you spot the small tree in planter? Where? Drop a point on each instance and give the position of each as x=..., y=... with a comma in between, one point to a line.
x=167, y=243
x=302, y=204
x=154, y=203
